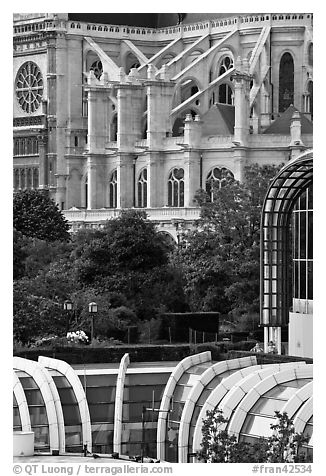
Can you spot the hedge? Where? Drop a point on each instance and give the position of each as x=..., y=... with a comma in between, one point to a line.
x=113, y=354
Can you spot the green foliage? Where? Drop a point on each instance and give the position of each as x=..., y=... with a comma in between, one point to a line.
x=37, y=216
x=284, y=446
x=128, y=243
x=220, y=259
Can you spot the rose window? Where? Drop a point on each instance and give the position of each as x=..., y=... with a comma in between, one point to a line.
x=29, y=87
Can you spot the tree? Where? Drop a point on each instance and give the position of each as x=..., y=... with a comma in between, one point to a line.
x=220, y=259
x=129, y=243
x=219, y=447
x=36, y=215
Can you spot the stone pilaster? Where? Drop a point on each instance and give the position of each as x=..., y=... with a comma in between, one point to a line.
x=43, y=161
x=155, y=184
x=125, y=185
x=159, y=104
x=130, y=109
x=191, y=176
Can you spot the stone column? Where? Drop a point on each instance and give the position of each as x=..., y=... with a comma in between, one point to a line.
x=296, y=144
x=241, y=81
x=91, y=182
x=192, y=139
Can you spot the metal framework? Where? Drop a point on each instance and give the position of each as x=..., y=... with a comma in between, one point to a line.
x=284, y=190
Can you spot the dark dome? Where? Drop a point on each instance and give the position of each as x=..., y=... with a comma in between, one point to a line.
x=149, y=20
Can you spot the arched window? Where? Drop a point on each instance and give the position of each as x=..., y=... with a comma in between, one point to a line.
x=35, y=178
x=113, y=189
x=176, y=188
x=217, y=178
x=286, y=82
x=225, y=94
x=142, y=189
x=302, y=246
x=22, y=179
x=114, y=128
x=29, y=178
x=16, y=179
x=226, y=63
x=310, y=54
x=97, y=68
x=310, y=104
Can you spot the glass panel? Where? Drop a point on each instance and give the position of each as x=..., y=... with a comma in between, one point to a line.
x=102, y=434
x=296, y=235
x=145, y=195
x=143, y=393
x=257, y=425
x=41, y=436
x=151, y=379
x=38, y=415
x=204, y=395
x=302, y=234
x=218, y=379
x=67, y=396
x=310, y=197
x=28, y=382
x=102, y=412
x=104, y=380
x=310, y=280
x=73, y=435
x=310, y=235
x=175, y=194
x=195, y=415
x=132, y=412
x=34, y=397
x=308, y=432
x=14, y=399
x=182, y=186
x=170, y=194
x=61, y=381
x=71, y=414
x=267, y=406
x=181, y=393
x=139, y=195
x=100, y=394
x=285, y=391
x=16, y=417
x=303, y=266
x=176, y=411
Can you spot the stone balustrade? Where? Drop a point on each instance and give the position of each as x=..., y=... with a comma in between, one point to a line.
x=186, y=30
x=156, y=214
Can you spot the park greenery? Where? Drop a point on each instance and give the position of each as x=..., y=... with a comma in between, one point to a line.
x=284, y=445
x=130, y=270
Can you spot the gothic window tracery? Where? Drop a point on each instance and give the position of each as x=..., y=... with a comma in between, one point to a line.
x=29, y=87
x=113, y=189
x=217, y=178
x=176, y=188
x=286, y=82
x=225, y=94
x=97, y=67
x=225, y=65
x=142, y=189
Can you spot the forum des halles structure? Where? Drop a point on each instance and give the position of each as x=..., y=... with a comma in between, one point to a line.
x=115, y=111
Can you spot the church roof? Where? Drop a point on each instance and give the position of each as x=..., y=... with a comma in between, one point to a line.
x=218, y=120
x=148, y=20
x=281, y=125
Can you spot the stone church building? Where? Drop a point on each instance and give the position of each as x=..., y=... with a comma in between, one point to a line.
x=140, y=111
